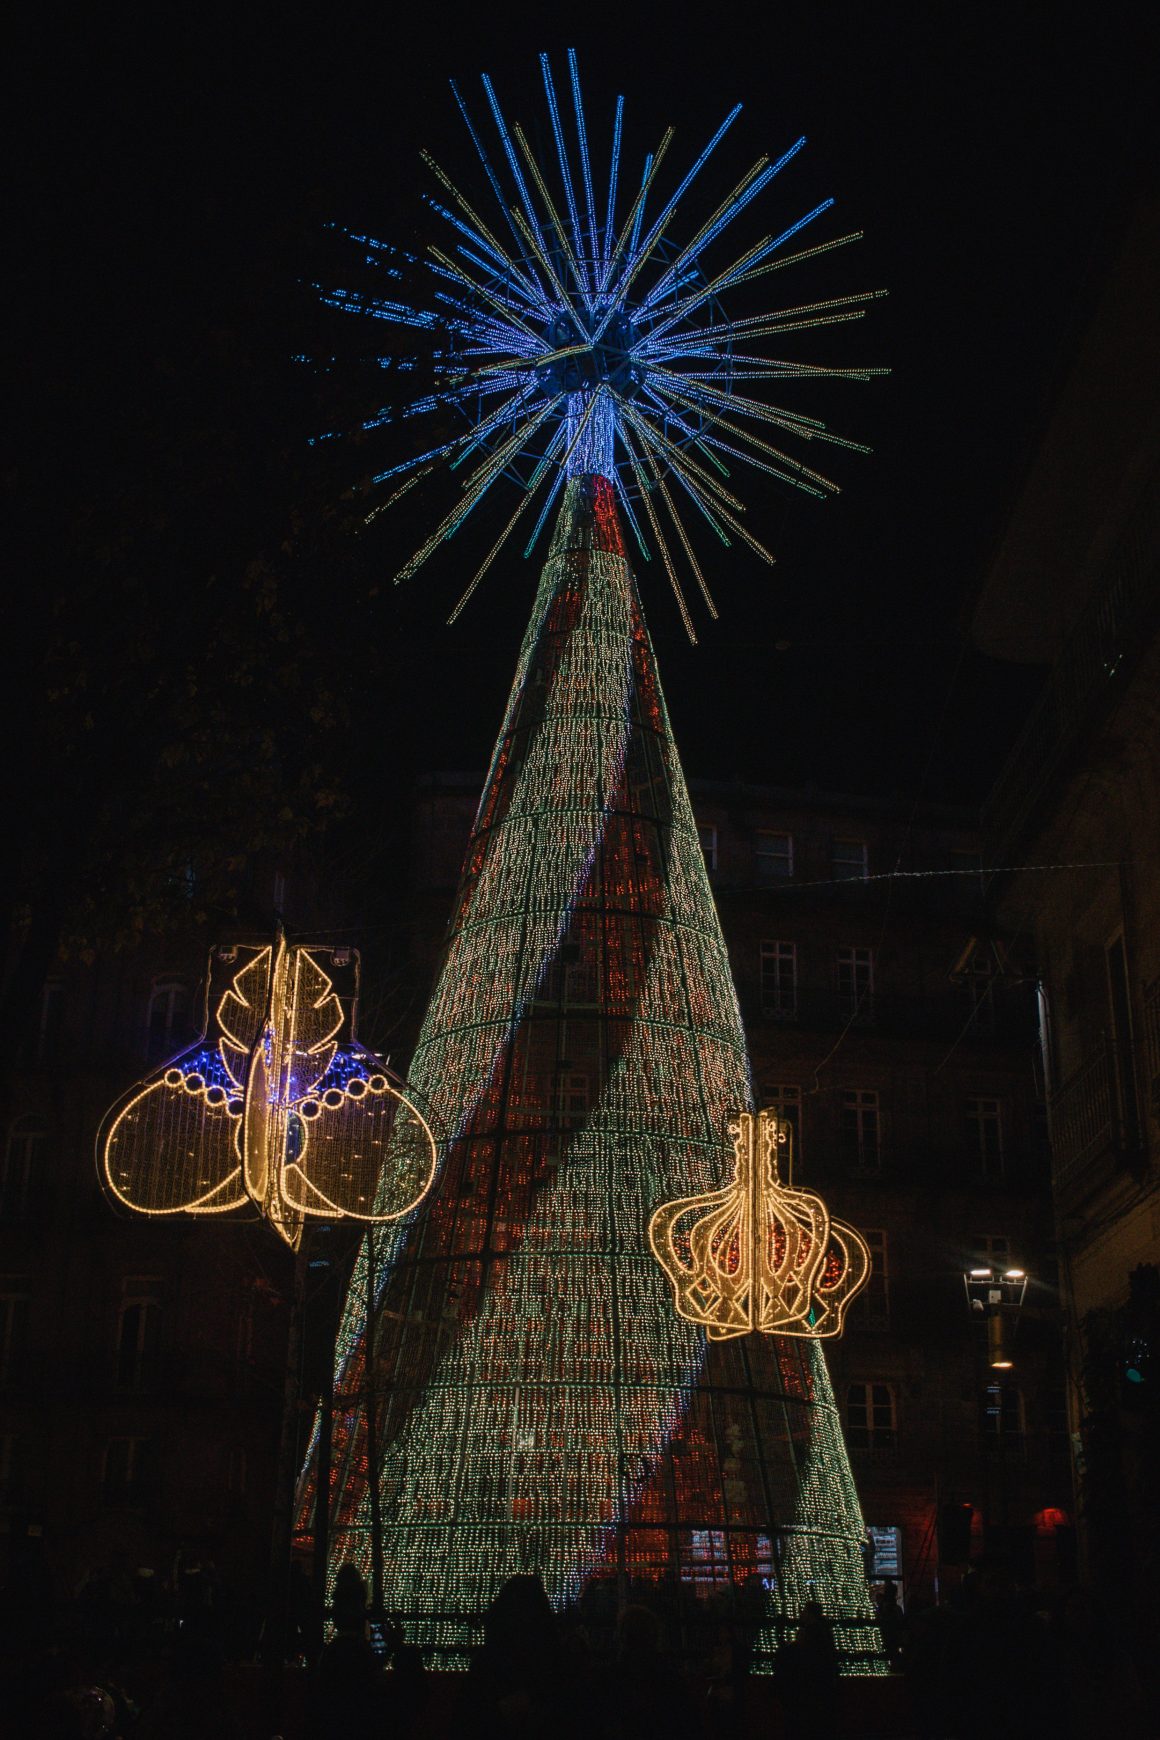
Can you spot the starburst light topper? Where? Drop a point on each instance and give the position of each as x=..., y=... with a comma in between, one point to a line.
x=585, y=330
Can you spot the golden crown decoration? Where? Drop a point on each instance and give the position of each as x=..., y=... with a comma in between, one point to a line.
x=273, y=1108
x=759, y=1255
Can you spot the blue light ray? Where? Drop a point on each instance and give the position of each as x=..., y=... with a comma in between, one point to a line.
x=658, y=535
x=585, y=161
x=566, y=174
x=534, y=239
x=626, y=509
x=509, y=153
x=630, y=233
x=473, y=435
x=549, y=503
x=481, y=239
x=747, y=189
x=641, y=254
x=492, y=177
x=614, y=171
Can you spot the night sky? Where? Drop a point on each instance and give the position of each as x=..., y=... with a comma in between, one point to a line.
x=178, y=175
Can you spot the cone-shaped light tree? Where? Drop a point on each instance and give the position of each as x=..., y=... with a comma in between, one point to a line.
x=524, y=1396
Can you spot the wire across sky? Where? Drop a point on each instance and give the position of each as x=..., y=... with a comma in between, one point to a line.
x=585, y=331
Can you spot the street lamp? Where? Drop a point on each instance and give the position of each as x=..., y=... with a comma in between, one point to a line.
x=996, y=1296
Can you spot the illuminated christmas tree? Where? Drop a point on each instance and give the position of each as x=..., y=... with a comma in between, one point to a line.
x=539, y=1404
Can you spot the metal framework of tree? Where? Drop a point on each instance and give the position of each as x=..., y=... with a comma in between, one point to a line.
x=537, y=1402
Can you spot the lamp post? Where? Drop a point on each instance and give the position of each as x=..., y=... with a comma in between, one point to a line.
x=994, y=1300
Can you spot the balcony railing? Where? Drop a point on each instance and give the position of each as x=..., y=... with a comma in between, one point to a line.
x=1152, y=1041
x=1087, y=1130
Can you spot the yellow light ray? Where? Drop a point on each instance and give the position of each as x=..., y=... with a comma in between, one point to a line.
x=505, y=311
x=795, y=466
x=556, y=442
x=684, y=467
x=659, y=535
x=553, y=215
x=478, y=225
x=688, y=252
x=477, y=486
x=533, y=241
x=774, y=319
x=630, y=220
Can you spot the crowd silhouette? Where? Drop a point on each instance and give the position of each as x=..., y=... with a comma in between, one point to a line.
x=135, y=1659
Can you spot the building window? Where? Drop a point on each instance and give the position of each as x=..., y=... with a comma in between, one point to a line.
x=708, y=838
x=1151, y=1001
x=138, y=1322
x=849, y=860
x=22, y=1168
x=870, y=1417
x=976, y=982
x=874, y=1305
x=773, y=856
x=1055, y=1416
x=14, y=1301
x=1003, y=1414
x=48, y=1021
x=127, y=1470
x=984, y=1129
x=779, y=980
x=572, y=1099
x=861, y=1129
x=855, y=971
x=785, y=1098
x=168, y=1018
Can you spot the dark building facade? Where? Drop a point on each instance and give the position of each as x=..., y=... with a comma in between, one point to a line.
x=142, y=1362
x=1072, y=831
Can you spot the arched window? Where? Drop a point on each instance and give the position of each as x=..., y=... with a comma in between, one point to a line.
x=168, y=1018
x=22, y=1167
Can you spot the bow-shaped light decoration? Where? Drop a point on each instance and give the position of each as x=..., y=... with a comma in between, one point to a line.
x=759, y=1255
x=269, y=1109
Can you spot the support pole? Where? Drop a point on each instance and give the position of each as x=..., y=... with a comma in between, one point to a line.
x=285, y=1476
x=373, y=1438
